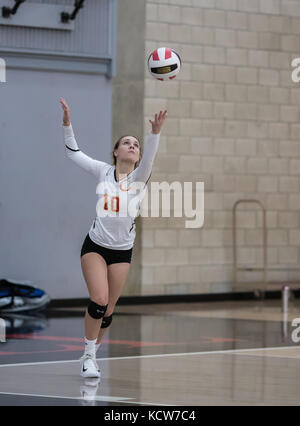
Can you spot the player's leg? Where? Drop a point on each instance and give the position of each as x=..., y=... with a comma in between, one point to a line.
x=94, y=270
x=117, y=274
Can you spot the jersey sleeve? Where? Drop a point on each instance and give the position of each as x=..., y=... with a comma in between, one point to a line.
x=143, y=172
x=74, y=153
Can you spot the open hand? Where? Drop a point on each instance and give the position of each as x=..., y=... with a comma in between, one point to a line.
x=158, y=121
x=67, y=113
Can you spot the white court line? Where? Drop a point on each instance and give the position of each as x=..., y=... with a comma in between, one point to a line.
x=99, y=398
x=227, y=351
x=120, y=399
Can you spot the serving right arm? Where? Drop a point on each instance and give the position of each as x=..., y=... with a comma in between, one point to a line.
x=72, y=151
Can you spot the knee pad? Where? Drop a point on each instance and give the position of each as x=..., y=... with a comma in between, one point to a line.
x=96, y=311
x=106, y=321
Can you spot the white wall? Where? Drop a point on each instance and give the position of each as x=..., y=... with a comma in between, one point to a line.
x=47, y=203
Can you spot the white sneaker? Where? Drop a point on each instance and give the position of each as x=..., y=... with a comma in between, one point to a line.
x=89, y=367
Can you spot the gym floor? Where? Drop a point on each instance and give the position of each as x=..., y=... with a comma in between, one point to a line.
x=192, y=354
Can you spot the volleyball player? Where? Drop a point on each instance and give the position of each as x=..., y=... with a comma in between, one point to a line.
x=107, y=249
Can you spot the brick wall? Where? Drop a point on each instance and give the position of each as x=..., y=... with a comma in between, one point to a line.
x=233, y=122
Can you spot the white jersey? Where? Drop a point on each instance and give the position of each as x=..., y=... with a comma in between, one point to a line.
x=114, y=224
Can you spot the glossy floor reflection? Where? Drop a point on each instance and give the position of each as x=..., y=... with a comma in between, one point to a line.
x=217, y=353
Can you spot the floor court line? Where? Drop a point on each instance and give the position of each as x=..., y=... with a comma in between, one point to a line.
x=226, y=351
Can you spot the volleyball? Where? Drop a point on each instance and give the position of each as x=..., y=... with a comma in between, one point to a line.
x=164, y=64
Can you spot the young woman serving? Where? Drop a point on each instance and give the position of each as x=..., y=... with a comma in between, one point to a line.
x=107, y=249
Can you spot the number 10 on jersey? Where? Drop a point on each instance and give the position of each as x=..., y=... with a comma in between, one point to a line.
x=111, y=203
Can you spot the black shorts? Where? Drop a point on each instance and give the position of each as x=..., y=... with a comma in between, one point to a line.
x=110, y=255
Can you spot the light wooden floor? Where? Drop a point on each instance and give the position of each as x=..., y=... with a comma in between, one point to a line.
x=235, y=376
x=241, y=377
x=266, y=310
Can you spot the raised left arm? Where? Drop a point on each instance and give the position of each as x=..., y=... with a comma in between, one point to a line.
x=143, y=172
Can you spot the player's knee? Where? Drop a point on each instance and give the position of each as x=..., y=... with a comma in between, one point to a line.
x=101, y=300
x=106, y=321
x=97, y=310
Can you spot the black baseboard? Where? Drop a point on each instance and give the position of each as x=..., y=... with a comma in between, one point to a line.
x=178, y=298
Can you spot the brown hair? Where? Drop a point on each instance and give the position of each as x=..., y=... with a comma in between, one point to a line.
x=117, y=146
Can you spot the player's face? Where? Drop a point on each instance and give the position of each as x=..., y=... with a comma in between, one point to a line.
x=128, y=149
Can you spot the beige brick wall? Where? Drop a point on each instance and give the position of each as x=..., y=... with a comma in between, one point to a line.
x=233, y=122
